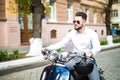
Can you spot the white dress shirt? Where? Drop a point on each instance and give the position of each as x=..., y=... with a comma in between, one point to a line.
x=82, y=42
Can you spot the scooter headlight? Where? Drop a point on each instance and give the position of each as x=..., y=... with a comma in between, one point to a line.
x=53, y=56
x=65, y=55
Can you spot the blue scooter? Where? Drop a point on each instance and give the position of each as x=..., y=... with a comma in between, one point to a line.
x=58, y=71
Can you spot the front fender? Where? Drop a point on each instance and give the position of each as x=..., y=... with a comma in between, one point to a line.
x=60, y=73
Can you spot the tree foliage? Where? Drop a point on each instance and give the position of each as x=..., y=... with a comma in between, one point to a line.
x=24, y=6
x=37, y=7
x=108, y=11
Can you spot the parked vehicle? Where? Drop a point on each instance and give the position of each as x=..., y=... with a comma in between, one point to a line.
x=57, y=70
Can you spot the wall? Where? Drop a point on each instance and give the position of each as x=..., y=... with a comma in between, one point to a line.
x=9, y=29
x=62, y=26
x=62, y=29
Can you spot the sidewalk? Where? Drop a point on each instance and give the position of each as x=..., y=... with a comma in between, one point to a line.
x=105, y=47
x=31, y=62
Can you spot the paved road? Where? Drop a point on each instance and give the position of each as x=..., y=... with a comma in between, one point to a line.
x=109, y=61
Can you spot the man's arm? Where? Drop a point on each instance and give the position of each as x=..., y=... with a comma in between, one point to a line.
x=60, y=44
x=96, y=46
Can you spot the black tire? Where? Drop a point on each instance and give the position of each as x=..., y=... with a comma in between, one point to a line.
x=46, y=73
x=43, y=76
x=102, y=78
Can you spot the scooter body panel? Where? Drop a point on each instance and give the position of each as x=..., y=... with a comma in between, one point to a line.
x=55, y=73
x=60, y=73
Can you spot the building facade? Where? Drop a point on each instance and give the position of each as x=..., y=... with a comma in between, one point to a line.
x=60, y=21
x=116, y=16
x=16, y=30
x=9, y=26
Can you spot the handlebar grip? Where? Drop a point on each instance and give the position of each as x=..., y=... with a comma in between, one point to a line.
x=84, y=54
x=44, y=52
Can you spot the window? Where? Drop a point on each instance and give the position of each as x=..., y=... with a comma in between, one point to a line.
x=87, y=12
x=95, y=30
x=115, y=13
x=2, y=10
x=70, y=12
x=102, y=32
x=30, y=22
x=53, y=12
x=21, y=21
x=53, y=34
x=95, y=17
x=101, y=18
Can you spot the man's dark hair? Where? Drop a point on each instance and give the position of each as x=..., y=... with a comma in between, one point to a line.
x=82, y=14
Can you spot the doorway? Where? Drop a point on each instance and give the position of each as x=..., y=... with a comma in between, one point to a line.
x=26, y=26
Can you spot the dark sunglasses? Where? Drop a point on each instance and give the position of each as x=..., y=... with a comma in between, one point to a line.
x=76, y=21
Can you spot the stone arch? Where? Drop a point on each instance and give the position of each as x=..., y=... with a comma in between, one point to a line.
x=53, y=33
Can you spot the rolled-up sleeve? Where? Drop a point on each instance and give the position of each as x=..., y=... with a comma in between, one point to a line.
x=96, y=48
x=60, y=44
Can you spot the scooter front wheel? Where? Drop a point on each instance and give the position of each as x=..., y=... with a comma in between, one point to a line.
x=102, y=78
x=43, y=76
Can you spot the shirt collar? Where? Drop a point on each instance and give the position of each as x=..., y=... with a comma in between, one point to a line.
x=86, y=30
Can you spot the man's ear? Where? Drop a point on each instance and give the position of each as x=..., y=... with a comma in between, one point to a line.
x=84, y=22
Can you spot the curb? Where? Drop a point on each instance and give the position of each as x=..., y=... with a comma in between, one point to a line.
x=22, y=64
x=110, y=46
x=23, y=67
x=32, y=62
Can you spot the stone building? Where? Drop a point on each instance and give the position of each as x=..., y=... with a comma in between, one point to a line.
x=9, y=26
x=62, y=14
x=16, y=30
x=116, y=16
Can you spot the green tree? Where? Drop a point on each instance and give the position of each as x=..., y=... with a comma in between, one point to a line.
x=108, y=11
x=37, y=7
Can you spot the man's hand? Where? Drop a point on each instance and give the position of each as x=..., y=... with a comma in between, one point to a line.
x=89, y=54
x=43, y=50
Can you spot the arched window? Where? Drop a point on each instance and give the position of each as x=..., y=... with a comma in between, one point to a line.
x=95, y=30
x=53, y=33
x=102, y=32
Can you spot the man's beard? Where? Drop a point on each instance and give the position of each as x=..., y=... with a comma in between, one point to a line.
x=79, y=28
